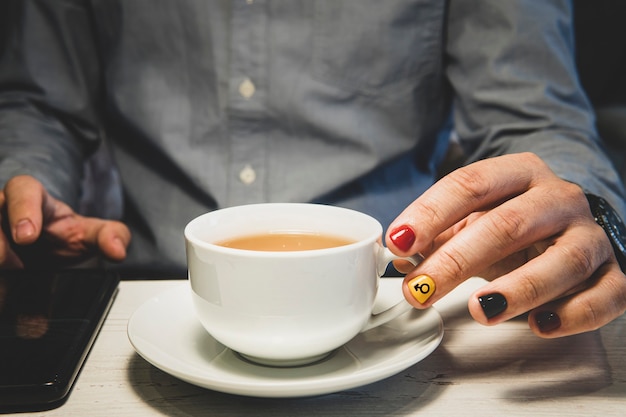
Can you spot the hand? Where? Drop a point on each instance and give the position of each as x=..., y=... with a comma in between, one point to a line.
x=511, y=220
x=35, y=222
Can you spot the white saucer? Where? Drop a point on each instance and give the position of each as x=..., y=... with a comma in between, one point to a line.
x=166, y=333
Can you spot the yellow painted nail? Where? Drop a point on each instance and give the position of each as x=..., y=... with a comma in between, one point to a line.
x=421, y=288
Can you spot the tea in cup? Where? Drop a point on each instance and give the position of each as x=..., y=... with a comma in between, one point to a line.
x=285, y=284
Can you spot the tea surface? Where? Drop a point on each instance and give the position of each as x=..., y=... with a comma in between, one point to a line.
x=285, y=242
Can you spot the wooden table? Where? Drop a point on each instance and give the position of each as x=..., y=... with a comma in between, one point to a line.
x=477, y=371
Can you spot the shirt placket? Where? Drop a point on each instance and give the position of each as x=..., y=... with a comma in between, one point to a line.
x=247, y=103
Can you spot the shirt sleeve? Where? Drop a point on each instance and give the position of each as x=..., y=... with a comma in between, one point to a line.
x=512, y=67
x=49, y=78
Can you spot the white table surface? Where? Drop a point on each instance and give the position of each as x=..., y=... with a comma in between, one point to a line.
x=476, y=371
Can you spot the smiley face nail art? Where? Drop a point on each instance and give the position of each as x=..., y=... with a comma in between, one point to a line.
x=421, y=288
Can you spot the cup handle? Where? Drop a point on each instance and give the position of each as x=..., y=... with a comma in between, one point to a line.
x=401, y=307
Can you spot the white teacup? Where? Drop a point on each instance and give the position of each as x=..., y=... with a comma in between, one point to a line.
x=287, y=308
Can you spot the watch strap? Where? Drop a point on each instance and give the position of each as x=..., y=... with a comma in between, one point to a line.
x=612, y=225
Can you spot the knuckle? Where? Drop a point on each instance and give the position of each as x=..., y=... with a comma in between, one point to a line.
x=616, y=286
x=506, y=227
x=581, y=259
x=570, y=195
x=471, y=182
x=571, y=200
x=572, y=191
x=531, y=160
x=453, y=263
x=430, y=216
x=593, y=312
x=588, y=314
x=532, y=291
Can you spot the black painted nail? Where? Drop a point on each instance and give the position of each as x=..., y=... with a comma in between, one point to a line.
x=492, y=304
x=547, y=321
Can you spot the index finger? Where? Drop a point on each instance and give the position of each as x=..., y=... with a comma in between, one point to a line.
x=473, y=188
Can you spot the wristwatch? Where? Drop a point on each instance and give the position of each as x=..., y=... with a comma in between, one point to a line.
x=612, y=224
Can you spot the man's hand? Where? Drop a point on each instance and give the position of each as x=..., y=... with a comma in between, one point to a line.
x=36, y=224
x=511, y=220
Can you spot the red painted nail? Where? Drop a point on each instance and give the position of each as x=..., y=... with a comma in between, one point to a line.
x=403, y=237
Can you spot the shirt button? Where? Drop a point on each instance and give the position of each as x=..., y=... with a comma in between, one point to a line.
x=247, y=175
x=246, y=88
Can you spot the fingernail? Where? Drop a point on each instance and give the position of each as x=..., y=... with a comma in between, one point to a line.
x=403, y=237
x=24, y=230
x=492, y=304
x=547, y=321
x=119, y=247
x=421, y=288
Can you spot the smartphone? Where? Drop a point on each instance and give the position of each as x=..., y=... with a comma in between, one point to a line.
x=48, y=322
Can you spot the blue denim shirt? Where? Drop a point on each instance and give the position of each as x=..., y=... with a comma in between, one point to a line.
x=211, y=104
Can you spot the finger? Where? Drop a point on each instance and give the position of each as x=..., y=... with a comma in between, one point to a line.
x=80, y=235
x=600, y=303
x=473, y=188
x=24, y=197
x=500, y=236
x=111, y=238
x=406, y=266
x=565, y=265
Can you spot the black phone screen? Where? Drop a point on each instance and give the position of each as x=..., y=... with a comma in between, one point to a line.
x=48, y=322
